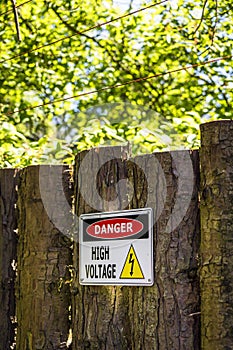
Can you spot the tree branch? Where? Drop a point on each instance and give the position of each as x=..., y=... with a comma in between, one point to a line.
x=202, y=17
x=215, y=23
x=113, y=58
x=212, y=36
x=16, y=19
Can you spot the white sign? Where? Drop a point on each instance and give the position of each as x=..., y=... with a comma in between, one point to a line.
x=116, y=248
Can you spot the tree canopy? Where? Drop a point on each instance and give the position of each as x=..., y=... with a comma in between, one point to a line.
x=64, y=49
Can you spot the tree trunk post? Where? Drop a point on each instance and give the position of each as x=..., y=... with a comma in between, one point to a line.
x=8, y=256
x=99, y=316
x=216, y=273
x=166, y=315
x=44, y=257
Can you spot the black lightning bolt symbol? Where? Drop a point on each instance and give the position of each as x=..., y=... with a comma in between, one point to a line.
x=131, y=261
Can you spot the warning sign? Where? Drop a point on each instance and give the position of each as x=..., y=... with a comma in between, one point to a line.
x=131, y=268
x=115, y=248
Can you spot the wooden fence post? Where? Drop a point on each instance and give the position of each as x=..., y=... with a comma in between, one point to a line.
x=99, y=314
x=44, y=256
x=8, y=258
x=166, y=315
x=216, y=271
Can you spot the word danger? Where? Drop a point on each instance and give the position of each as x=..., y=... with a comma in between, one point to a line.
x=115, y=228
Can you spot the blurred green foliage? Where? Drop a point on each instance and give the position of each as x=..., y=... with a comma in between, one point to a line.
x=158, y=114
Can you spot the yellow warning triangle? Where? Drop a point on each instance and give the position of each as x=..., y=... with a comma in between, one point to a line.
x=131, y=268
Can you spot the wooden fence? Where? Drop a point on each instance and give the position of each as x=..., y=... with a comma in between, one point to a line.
x=190, y=305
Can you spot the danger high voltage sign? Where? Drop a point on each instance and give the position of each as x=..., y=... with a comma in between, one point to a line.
x=116, y=248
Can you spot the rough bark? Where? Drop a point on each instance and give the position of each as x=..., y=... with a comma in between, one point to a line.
x=216, y=239
x=8, y=247
x=166, y=315
x=43, y=296
x=99, y=313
